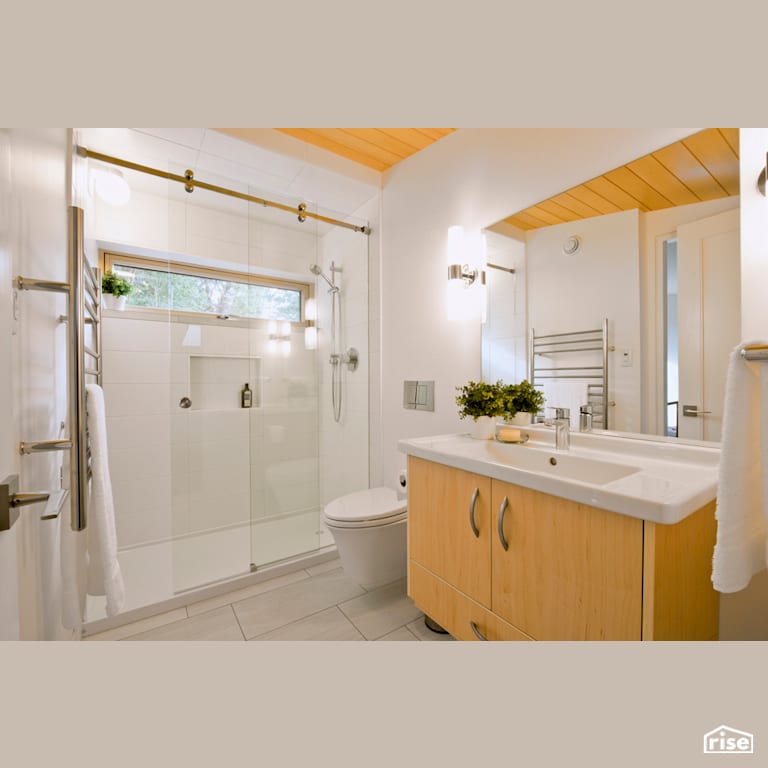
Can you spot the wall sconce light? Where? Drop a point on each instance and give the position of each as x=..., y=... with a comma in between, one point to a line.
x=310, y=332
x=279, y=341
x=466, y=296
x=110, y=185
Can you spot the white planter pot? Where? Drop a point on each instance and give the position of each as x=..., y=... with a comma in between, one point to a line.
x=110, y=301
x=520, y=419
x=483, y=429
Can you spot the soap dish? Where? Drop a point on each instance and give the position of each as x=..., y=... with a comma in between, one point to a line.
x=510, y=435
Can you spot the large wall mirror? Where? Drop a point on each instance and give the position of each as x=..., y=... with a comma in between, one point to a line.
x=652, y=250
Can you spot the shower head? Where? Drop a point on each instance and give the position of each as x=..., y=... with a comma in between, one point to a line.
x=315, y=270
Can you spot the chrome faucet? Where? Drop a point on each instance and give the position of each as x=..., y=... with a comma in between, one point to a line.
x=585, y=418
x=562, y=428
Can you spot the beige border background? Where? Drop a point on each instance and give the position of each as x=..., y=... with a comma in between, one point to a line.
x=485, y=64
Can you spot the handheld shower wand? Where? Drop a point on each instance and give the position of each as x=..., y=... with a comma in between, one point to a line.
x=315, y=270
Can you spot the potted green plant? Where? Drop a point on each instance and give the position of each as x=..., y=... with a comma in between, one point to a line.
x=483, y=403
x=521, y=402
x=114, y=290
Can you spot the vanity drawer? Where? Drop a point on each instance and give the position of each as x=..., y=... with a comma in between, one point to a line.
x=454, y=611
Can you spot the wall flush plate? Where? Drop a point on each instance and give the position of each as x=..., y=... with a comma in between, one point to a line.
x=419, y=395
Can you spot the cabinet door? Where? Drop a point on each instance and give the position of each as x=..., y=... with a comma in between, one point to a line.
x=463, y=618
x=443, y=504
x=571, y=572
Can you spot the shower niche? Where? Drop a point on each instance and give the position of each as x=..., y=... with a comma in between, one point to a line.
x=216, y=381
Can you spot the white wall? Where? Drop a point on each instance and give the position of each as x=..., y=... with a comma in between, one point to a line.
x=35, y=165
x=9, y=459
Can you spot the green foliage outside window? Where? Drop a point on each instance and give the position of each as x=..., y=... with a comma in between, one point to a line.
x=158, y=289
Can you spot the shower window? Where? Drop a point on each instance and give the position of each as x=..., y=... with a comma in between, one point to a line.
x=177, y=287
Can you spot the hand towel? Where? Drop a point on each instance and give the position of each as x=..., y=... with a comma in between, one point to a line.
x=742, y=528
x=104, y=575
x=565, y=394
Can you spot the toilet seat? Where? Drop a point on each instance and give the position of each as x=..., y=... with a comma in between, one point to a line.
x=364, y=509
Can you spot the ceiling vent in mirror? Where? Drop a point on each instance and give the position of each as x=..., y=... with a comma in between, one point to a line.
x=572, y=245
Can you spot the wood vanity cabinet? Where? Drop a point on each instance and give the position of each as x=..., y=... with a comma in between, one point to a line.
x=569, y=571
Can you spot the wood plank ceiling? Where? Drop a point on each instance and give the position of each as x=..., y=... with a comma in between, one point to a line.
x=704, y=166
x=377, y=148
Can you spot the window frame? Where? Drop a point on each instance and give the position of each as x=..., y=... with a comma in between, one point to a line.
x=306, y=290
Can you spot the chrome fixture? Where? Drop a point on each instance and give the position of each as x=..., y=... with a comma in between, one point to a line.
x=562, y=428
x=316, y=270
x=351, y=357
x=585, y=418
x=11, y=499
x=467, y=293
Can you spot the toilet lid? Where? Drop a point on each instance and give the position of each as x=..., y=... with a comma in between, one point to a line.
x=372, y=504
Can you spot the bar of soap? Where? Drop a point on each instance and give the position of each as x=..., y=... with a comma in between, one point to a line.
x=509, y=435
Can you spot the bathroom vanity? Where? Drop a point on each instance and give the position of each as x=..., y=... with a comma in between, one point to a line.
x=610, y=540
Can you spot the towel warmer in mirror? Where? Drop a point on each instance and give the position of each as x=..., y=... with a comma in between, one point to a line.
x=596, y=376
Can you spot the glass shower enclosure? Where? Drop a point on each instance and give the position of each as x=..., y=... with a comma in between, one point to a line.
x=219, y=384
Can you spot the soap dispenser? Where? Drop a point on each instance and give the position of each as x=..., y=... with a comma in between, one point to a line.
x=246, y=397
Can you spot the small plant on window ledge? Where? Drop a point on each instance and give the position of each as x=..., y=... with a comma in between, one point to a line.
x=115, y=285
x=479, y=398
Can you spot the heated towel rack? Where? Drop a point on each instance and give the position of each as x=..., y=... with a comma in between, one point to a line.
x=568, y=367
x=83, y=319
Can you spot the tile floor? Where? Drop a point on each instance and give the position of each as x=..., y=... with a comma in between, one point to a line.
x=318, y=603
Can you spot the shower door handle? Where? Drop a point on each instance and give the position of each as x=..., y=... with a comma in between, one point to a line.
x=185, y=402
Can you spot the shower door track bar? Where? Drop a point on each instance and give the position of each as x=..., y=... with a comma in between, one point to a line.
x=191, y=183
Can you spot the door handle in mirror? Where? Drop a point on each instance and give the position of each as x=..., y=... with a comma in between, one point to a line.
x=693, y=410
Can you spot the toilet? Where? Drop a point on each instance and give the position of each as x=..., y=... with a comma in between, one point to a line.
x=369, y=530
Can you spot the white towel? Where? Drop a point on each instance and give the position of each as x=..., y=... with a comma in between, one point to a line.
x=742, y=528
x=565, y=394
x=104, y=575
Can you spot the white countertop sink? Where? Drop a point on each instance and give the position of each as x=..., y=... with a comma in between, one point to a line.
x=658, y=479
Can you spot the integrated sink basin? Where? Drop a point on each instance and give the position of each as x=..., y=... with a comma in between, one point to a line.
x=654, y=478
x=560, y=464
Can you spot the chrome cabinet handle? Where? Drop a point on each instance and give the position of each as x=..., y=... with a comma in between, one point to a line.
x=500, y=526
x=478, y=633
x=185, y=402
x=472, y=503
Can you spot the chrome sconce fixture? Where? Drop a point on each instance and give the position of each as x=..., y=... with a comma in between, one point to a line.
x=465, y=294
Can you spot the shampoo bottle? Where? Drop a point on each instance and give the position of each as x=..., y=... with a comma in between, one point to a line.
x=246, y=397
